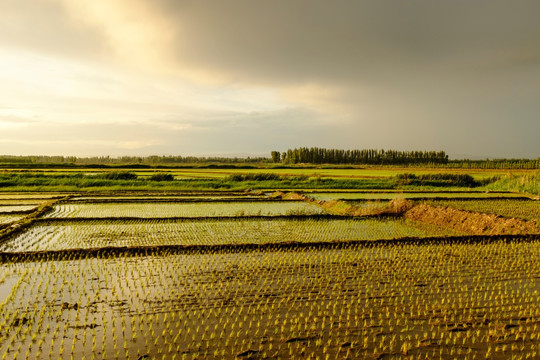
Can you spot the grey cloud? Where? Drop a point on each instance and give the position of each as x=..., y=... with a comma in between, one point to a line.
x=421, y=73
x=350, y=40
x=255, y=133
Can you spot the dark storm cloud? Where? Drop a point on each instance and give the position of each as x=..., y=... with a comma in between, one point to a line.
x=355, y=41
x=457, y=75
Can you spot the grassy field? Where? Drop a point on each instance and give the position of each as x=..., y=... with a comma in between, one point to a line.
x=369, y=178
x=378, y=172
x=408, y=195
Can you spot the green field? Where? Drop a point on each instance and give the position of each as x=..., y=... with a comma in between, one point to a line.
x=407, y=195
x=335, y=172
x=263, y=178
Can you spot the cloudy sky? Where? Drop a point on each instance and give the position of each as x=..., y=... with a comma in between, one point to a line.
x=192, y=77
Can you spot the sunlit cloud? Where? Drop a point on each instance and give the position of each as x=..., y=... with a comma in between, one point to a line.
x=134, y=32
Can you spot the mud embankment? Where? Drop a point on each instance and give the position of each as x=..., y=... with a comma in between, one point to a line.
x=18, y=226
x=395, y=207
x=166, y=250
x=463, y=221
x=470, y=222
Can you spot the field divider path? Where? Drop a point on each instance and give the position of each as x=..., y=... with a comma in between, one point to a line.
x=395, y=207
x=188, y=218
x=17, y=212
x=471, y=222
x=174, y=201
x=442, y=198
x=18, y=226
x=249, y=247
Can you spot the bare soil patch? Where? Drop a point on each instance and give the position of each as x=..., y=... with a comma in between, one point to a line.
x=470, y=222
x=395, y=207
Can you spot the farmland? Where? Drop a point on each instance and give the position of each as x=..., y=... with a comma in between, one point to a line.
x=8, y=218
x=351, y=172
x=185, y=274
x=264, y=178
x=434, y=300
x=210, y=209
x=92, y=234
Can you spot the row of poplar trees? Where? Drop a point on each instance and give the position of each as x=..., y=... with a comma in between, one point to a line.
x=316, y=155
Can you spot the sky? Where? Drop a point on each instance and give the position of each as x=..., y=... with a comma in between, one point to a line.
x=244, y=77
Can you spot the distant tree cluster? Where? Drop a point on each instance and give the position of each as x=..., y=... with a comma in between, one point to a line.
x=153, y=160
x=371, y=156
x=495, y=164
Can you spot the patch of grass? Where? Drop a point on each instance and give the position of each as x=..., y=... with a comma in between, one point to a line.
x=254, y=177
x=524, y=183
x=161, y=177
x=443, y=180
x=118, y=175
x=109, y=181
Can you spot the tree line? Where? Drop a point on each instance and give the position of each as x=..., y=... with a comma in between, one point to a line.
x=495, y=164
x=292, y=157
x=122, y=160
x=316, y=155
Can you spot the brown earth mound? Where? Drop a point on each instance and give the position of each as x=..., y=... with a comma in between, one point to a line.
x=342, y=208
x=337, y=207
x=277, y=195
x=470, y=222
x=294, y=196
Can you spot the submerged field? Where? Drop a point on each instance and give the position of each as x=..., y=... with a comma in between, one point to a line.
x=233, y=275
x=200, y=209
x=432, y=300
x=95, y=234
x=9, y=218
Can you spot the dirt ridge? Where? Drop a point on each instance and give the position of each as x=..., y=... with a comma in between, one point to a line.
x=18, y=226
x=395, y=207
x=470, y=222
x=249, y=247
